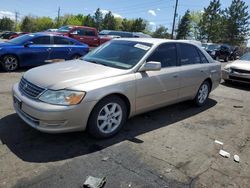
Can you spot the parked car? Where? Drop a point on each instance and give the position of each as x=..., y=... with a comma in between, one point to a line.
x=17, y=34
x=120, y=79
x=6, y=35
x=123, y=34
x=238, y=71
x=87, y=35
x=37, y=49
x=218, y=51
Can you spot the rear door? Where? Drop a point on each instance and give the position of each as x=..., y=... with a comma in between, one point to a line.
x=61, y=49
x=37, y=53
x=193, y=70
x=158, y=88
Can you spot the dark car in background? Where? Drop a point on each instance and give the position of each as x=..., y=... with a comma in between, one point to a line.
x=123, y=34
x=222, y=51
x=39, y=48
x=219, y=51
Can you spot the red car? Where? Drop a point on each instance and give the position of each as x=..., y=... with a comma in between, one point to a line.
x=87, y=35
x=16, y=34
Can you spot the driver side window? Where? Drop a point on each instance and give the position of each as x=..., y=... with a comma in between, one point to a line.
x=45, y=40
x=166, y=54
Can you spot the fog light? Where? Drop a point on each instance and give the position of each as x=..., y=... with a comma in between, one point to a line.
x=52, y=123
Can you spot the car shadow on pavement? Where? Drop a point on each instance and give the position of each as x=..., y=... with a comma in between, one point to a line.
x=237, y=85
x=33, y=146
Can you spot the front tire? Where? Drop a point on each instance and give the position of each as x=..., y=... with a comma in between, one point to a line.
x=10, y=63
x=202, y=94
x=107, y=117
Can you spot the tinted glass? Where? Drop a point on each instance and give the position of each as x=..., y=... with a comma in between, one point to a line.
x=189, y=55
x=64, y=29
x=79, y=32
x=62, y=41
x=118, y=54
x=89, y=32
x=166, y=54
x=22, y=39
x=245, y=57
x=203, y=57
x=41, y=40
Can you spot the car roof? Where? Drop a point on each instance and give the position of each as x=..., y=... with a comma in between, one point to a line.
x=157, y=41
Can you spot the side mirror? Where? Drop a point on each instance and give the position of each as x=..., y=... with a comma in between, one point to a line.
x=150, y=66
x=27, y=44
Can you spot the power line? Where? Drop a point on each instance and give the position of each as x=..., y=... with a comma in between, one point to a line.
x=175, y=10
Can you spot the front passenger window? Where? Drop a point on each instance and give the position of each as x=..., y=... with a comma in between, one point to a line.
x=166, y=54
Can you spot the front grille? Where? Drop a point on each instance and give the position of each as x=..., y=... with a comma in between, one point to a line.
x=29, y=89
x=239, y=78
x=241, y=71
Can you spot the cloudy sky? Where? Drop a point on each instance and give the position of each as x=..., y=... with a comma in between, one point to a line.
x=157, y=12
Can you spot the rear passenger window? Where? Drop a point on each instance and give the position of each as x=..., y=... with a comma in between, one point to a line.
x=62, y=41
x=89, y=33
x=189, y=55
x=166, y=54
x=203, y=57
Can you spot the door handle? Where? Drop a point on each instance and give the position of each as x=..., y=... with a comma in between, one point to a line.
x=81, y=38
x=175, y=76
x=48, y=49
x=95, y=39
x=213, y=71
x=202, y=70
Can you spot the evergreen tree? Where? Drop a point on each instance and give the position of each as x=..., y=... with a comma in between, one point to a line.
x=211, y=22
x=28, y=24
x=89, y=21
x=184, y=26
x=138, y=25
x=161, y=32
x=109, y=21
x=236, y=23
x=126, y=25
x=98, y=17
x=6, y=24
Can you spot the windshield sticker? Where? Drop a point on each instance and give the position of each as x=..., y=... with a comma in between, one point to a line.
x=141, y=46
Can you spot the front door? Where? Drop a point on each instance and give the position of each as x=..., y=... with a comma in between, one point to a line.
x=37, y=53
x=159, y=88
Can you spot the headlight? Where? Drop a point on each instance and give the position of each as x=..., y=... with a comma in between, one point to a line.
x=62, y=97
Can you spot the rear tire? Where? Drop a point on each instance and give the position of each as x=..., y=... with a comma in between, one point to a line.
x=202, y=94
x=10, y=63
x=107, y=117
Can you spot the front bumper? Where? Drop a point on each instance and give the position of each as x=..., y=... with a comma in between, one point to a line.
x=51, y=118
x=234, y=76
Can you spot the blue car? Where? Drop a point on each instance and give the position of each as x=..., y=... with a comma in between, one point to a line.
x=39, y=48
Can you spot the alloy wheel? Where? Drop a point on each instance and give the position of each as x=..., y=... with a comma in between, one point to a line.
x=203, y=93
x=10, y=63
x=109, y=118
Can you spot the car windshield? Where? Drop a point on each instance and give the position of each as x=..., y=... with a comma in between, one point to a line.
x=21, y=39
x=245, y=57
x=64, y=29
x=118, y=54
x=213, y=47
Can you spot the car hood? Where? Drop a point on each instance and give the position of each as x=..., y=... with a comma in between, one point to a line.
x=70, y=73
x=240, y=64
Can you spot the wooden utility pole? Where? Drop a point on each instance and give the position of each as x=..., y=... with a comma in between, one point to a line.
x=173, y=27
